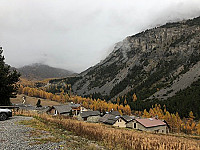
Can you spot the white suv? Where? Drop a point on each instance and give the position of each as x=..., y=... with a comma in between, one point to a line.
x=4, y=114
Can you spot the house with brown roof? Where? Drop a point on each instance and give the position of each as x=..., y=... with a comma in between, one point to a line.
x=148, y=124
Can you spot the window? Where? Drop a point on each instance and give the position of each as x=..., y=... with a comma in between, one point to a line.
x=156, y=131
x=56, y=112
x=134, y=125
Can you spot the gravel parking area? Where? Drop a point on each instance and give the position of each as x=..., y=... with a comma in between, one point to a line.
x=17, y=137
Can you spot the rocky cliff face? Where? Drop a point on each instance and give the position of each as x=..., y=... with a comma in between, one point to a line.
x=155, y=63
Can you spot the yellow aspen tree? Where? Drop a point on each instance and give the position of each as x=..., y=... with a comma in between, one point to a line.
x=50, y=96
x=54, y=98
x=173, y=121
x=198, y=128
x=109, y=107
x=91, y=106
x=127, y=110
x=115, y=107
x=134, y=97
x=191, y=125
x=66, y=97
x=146, y=114
x=178, y=123
x=118, y=100
x=121, y=107
x=151, y=112
x=30, y=92
x=120, y=112
x=58, y=98
x=85, y=104
x=167, y=118
x=125, y=102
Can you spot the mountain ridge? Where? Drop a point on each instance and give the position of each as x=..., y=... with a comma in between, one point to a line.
x=38, y=71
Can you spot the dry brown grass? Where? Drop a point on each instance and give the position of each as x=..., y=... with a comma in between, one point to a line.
x=33, y=100
x=44, y=133
x=120, y=138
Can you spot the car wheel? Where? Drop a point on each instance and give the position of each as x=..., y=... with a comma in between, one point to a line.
x=3, y=116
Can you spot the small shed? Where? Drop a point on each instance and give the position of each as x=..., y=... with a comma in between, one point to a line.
x=89, y=116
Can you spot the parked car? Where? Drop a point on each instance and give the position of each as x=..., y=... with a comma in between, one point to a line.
x=5, y=114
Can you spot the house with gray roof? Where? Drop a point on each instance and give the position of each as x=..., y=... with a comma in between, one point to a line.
x=115, y=113
x=128, y=118
x=115, y=119
x=89, y=116
x=60, y=110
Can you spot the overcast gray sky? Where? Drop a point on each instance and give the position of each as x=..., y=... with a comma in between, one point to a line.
x=76, y=34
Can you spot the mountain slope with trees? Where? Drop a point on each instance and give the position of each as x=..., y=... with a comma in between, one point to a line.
x=146, y=62
x=155, y=66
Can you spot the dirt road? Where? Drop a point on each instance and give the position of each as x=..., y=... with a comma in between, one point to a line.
x=14, y=136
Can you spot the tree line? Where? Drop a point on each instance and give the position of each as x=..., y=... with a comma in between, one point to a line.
x=62, y=97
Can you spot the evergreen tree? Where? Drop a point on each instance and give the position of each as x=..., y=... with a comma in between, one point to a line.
x=8, y=79
x=39, y=103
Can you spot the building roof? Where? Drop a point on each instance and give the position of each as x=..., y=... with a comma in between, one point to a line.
x=150, y=122
x=127, y=118
x=109, y=119
x=116, y=113
x=74, y=105
x=105, y=117
x=43, y=108
x=85, y=114
x=62, y=108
